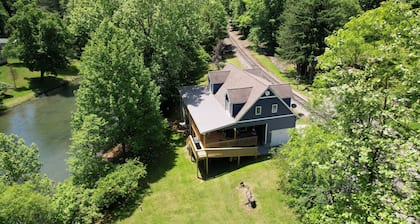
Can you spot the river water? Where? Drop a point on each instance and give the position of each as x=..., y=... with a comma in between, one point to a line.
x=45, y=121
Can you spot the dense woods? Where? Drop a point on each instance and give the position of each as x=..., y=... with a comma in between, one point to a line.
x=358, y=162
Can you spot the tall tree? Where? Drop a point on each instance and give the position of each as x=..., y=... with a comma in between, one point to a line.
x=84, y=17
x=118, y=89
x=168, y=34
x=265, y=15
x=40, y=39
x=369, y=93
x=306, y=24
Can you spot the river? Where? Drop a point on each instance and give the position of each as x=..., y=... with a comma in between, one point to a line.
x=45, y=121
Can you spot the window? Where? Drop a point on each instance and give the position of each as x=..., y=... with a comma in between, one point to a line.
x=274, y=108
x=258, y=110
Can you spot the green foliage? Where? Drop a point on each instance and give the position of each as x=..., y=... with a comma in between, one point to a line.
x=84, y=17
x=119, y=186
x=118, y=90
x=88, y=139
x=369, y=4
x=308, y=154
x=306, y=24
x=265, y=16
x=168, y=34
x=367, y=96
x=213, y=18
x=18, y=162
x=22, y=203
x=4, y=16
x=40, y=39
x=73, y=204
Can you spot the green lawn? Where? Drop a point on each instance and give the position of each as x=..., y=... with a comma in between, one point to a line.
x=180, y=197
x=28, y=83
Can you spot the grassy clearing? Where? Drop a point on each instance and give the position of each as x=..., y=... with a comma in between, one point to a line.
x=179, y=197
x=25, y=84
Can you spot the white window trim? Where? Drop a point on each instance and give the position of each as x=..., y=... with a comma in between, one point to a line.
x=258, y=108
x=274, y=108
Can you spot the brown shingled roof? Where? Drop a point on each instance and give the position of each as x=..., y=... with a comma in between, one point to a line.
x=218, y=76
x=282, y=90
x=240, y=95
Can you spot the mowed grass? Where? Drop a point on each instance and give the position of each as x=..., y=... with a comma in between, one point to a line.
x=180, y=197
x=28, y=83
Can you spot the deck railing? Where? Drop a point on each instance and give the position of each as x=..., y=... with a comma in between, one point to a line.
x=239, y=142
x=220, y=152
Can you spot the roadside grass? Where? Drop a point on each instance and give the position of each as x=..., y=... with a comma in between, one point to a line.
x=267, y=64
x=235, y=61
x=180, y=197
x=26, y=84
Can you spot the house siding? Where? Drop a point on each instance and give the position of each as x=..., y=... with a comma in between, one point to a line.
x=237, y=108
x=216, y=87
x=287, y=101
x=265, y=104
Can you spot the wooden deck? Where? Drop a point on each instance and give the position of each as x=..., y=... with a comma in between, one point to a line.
x=199, y=152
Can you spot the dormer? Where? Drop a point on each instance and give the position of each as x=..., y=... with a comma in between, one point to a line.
x=216, y=80
x=235, y=99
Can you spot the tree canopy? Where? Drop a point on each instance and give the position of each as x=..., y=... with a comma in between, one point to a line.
x=118, y=89
x=306, y=24
x=39, y=38
x=363, y=166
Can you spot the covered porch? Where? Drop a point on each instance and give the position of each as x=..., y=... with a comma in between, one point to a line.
x=198, y=152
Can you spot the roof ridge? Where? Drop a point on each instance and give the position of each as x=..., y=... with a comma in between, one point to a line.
x=250, y=87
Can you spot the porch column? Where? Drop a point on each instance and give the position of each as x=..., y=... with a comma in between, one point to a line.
x=235, y=135
x=205, y=140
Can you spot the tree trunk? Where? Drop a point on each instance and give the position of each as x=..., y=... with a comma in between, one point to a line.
x=42, y=74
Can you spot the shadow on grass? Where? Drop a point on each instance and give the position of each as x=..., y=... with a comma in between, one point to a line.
x=222, y=166
x=156, y=170
x=51, y=85
x=70, y=70
x=16, y=64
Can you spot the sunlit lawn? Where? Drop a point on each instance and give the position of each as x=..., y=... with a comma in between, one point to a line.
x=180, y=197
x=26, y=83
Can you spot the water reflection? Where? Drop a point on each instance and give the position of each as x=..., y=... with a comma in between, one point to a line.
x=45, y=121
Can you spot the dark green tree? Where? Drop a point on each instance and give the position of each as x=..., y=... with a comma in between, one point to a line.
x=265, y=15
x=370, y=4
x=4, y=16
x=39, y=39
x=306, y=24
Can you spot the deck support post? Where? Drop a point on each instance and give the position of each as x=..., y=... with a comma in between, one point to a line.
x=196, y=162
x=235, y=135
x=239, y=160
x=207, y=165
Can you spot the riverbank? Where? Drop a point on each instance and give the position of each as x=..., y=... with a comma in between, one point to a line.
x=24, y=85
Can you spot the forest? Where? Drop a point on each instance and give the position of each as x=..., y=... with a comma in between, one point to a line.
x=357, y=162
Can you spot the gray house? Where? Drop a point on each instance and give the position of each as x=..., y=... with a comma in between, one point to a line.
x=238, y=114
x=3, y=42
